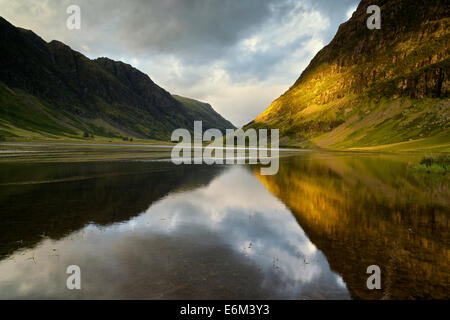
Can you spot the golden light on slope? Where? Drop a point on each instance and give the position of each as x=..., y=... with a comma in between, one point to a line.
x=359, y=213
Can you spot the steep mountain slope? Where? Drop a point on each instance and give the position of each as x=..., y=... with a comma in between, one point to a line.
x=50, y=90
x=373, y=87
x=206, y=113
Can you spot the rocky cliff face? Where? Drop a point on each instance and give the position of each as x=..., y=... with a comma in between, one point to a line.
x=73, y=94
x=371, y=87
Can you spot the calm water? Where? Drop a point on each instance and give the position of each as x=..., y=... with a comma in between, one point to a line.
x=153, y=230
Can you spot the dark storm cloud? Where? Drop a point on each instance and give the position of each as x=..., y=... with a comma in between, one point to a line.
x=197, y=30
x=204, y=29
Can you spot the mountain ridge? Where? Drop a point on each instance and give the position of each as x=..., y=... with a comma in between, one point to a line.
x=50, y=90
x=206, y=111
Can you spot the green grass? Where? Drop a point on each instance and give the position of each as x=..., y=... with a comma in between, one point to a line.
x=24, y=117
x=439, y=164
x=432, y=164
x=434, y=168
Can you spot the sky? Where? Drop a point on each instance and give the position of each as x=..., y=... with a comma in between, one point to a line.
x=237, y=55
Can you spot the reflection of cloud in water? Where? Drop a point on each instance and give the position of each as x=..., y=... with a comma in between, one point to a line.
x=232, y=226
x=246, y=217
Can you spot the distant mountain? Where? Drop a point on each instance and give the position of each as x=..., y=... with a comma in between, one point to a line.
x=205, y=112
x=373, y=87
x=50, y=90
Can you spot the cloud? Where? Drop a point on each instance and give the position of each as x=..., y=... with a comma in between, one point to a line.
x=237, y=55
x=350, y=11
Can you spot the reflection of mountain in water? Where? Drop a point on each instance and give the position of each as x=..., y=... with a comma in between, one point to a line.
x=101, y=193
x=362, y=211
x=226, y=240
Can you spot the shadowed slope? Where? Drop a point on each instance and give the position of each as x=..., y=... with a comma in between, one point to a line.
x=50, y=90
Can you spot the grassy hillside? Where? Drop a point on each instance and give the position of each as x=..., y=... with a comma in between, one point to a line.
x=205, y=112
x=26, y=117
x=369, y=88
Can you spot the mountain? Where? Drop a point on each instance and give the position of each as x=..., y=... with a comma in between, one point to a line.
x=48, y=90
x=373, y=87
x=205, y=112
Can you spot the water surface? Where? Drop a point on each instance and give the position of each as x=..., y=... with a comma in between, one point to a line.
x=153, y=230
